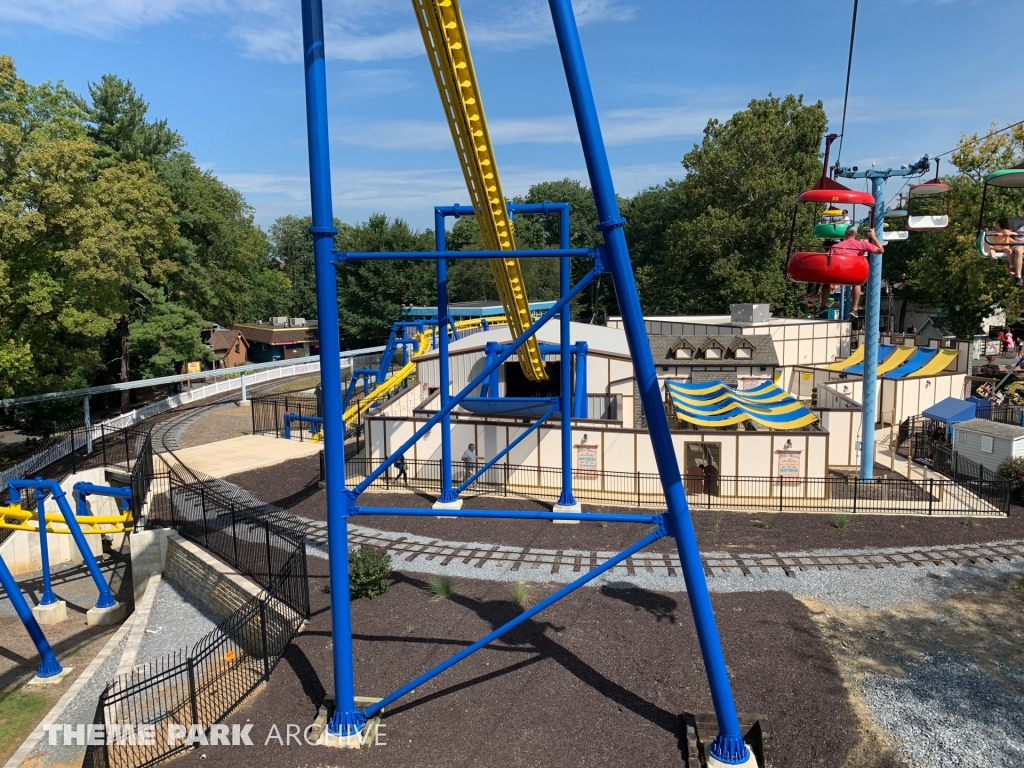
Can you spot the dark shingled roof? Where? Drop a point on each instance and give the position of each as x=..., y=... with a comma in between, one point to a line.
x=703, y=377
x=763, y=353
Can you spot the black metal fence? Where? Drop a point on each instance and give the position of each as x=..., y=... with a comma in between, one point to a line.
x=142, y=711
x=937, y=496
x=78, y=448
x=202, y=685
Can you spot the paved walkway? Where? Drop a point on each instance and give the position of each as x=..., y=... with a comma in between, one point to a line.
x=240, y=454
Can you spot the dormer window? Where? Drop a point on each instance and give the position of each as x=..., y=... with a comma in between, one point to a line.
x=713, y=350
x=743, y=349
x=683, y=350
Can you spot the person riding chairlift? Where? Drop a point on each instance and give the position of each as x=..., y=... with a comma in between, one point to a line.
x=1001, y=241
x=1017, y=249
x=850, y=245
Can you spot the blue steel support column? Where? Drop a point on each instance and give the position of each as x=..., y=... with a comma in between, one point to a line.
x=47, y=598
x=49, y=665
x=728, y=746
x=448, y=494
x=566, y=500
x=872, y=310
x=346, y=719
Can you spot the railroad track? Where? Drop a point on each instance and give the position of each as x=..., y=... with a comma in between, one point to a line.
x=408, y=549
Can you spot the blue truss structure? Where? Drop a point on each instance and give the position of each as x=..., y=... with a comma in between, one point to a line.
x=612, y=257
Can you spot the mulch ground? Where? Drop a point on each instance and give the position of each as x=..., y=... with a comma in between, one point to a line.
x=293, y=486
x=599, y=679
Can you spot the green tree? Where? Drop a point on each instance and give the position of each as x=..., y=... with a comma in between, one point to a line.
x=291, y=247
x=371, y=293
x=166, y=335
x=736, y=203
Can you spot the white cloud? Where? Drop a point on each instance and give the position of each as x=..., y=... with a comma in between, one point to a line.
x=354, y=31
x=413, y=193
x=100, y=17
x=620, y=127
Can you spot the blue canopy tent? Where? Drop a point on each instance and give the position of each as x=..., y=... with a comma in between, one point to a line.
x=952, y=410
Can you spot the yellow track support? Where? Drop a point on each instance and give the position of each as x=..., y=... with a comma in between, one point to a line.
x=444, y=37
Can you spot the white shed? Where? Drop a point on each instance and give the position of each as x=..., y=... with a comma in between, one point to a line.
x=988, y=442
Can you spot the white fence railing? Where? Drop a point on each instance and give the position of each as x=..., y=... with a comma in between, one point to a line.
x=228, y=380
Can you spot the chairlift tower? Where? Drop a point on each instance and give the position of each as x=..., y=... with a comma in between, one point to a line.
x=873, y=303
x=728, y=747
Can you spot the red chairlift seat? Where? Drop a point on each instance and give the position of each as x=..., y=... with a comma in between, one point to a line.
x=816, y=264
x=825, y=267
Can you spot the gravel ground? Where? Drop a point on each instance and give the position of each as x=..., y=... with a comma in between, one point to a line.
x=81, y=710
x=177, y=622
x=219, y=423
x=946, y=710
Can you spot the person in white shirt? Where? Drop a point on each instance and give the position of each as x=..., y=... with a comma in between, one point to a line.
x=469, y=460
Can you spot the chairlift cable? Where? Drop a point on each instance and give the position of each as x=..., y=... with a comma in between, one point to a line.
x=971, y=143
x=849, y=68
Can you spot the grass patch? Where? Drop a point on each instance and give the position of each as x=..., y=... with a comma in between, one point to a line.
x=19, y=712
x=970, y=522
x=440, y=588
x=767, y=520
x=840, y=521
x=519, y=594
x=716, y=524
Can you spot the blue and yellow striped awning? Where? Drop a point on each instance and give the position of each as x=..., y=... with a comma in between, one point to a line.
x=714, y=404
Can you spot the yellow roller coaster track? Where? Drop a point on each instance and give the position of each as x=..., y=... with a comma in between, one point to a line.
x=444, y=37
x=397, y=380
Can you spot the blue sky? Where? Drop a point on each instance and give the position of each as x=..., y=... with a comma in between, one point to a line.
x=227, y=75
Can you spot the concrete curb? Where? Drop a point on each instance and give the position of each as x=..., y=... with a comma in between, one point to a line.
x=138, y=631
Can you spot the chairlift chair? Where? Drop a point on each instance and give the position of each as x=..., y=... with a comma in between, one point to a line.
x=1005, y=178
x=923, y=202
x=894, y=235
x=816, y=263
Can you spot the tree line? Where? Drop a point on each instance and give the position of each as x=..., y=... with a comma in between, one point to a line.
x=116, y=249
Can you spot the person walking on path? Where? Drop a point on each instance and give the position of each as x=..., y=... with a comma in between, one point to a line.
x=400, y=468
x=469, y=460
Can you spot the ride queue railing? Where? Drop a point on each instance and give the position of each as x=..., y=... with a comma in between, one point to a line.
x=837, y=492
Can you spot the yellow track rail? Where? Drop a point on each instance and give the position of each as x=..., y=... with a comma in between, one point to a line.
x=444, y=37
x=15, y=518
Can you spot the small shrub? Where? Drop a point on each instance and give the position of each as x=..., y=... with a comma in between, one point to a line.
x=440, y=588
x=1012, y=469
x=840, y=521
x=716, y=524
x=519, y=594
x=369, y=569
x=767, y=520
x=970, y=522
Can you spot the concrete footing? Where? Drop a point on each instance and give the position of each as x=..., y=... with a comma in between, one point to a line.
x=750, y=762
x=443, y=505
x=52, y=679
x=575, y=508
x=369, y=736
x=54, y=613
x=101, y=617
